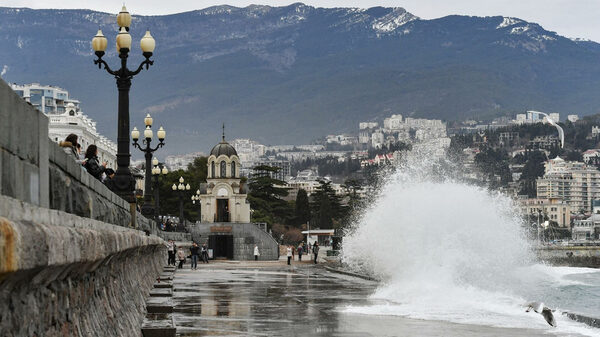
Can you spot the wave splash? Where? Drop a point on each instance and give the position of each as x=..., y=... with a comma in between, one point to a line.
x=445, y=250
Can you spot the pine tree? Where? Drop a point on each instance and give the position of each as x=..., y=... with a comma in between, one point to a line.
x=266, y=195
x=302, y=207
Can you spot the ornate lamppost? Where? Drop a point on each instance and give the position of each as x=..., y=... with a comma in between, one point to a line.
x=181, y=188
x=196, y=201
x=156, y=172
x=148, y=151
x=124, y=184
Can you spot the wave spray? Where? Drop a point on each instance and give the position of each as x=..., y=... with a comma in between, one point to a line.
x=444, y=250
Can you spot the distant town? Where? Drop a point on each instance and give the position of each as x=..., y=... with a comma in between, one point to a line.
x=558, y=190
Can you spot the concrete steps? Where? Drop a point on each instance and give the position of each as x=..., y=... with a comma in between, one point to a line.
x=159, y=306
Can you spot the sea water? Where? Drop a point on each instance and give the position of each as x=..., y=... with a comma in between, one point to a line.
x=447, y=250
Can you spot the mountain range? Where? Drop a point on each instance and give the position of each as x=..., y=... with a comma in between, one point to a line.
x=289, y=75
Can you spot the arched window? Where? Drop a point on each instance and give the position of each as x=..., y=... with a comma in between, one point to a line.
x=212, y=169
x=223, y=169
x=232, y=169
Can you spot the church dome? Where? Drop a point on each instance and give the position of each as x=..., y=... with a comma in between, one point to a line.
x=223, y=148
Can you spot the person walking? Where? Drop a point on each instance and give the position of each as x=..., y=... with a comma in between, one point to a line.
x=195, y=251
x=315, y=250
x=171, y=252
x=181, y=256
x=289, y=255
x=256, y=253
x=300, y=250
x=204, y=253
x=92, y=163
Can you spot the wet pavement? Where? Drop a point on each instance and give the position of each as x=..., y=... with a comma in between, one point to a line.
x=273, y=299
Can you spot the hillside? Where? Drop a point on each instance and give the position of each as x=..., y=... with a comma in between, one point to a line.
x=291, y=74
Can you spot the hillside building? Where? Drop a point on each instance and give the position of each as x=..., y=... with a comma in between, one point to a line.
x=574, y=182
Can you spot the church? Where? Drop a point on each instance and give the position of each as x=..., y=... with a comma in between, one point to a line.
x=225, y=211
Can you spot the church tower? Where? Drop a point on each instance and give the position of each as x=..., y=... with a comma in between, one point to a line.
x=223, y=199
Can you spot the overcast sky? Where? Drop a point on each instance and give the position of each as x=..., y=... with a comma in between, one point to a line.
x=571, y=18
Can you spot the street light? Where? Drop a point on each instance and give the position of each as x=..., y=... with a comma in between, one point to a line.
x=148, y=151
x=124, y=183
x=157, y=170
x=181, y=189
x=196, y=201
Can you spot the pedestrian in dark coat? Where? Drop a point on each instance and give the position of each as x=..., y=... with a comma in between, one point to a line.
x=315, y=250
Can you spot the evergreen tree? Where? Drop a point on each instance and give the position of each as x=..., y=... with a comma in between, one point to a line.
x=169, y=200
x=266, y=195
x=534, y=168
x=326, y=206
x=302, y=207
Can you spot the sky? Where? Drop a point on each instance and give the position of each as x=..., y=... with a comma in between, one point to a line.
x=570, y=18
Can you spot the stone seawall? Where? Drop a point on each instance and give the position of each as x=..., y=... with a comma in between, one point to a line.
x=64, y=275
x=570, y=256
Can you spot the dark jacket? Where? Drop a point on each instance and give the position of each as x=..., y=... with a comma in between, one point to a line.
x=94, y=168
x=195, y=250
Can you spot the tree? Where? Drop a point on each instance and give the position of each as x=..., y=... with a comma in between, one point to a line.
x=266, y=195
x=534, y=168
x=169, y=200
x=326, y=206
x=302, y=207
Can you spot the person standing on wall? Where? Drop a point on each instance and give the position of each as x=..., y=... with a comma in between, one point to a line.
x=256, y=253
x=289, y=254
x=315, y=250
x=195, y=250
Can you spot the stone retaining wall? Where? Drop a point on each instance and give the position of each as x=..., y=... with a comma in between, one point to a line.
x=245, y=236
x=64, y=275
x=571, y=256
x=36, y=170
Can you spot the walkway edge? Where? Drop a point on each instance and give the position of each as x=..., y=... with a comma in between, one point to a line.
x=339, y=271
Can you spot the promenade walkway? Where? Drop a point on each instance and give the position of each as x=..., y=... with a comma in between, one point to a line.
x=272, y=299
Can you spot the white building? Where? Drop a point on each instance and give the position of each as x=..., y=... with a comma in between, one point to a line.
x=285, y=168
x=341, y=139
x=46, y=98
x=574, y=182
x=249, y=152
x=74, y=121
x=588, y=229
x=65, y=117
x=365, y=131
x=181, y=162
x=573, y=118
x=377, y=139
x=392, y=123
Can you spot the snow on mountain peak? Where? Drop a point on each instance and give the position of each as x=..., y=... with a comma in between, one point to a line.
x=506, y=22
x=396, y=18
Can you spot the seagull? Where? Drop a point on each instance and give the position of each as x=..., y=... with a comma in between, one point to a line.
x=544, y=311
x=561, y=132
